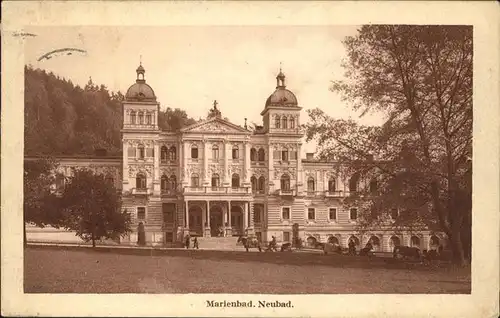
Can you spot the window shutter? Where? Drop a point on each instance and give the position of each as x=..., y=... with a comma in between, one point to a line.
x=131, y=152
x=149, y=152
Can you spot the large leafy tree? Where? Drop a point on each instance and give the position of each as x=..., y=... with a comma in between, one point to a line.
x=420, y=79
x=174, y=119
x=92, y=207
x=41, y=205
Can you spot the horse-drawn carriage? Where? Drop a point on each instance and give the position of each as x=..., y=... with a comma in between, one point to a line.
x=252, y=242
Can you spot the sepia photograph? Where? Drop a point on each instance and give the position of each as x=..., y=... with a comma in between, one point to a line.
x=273, y=160
x=350, y=163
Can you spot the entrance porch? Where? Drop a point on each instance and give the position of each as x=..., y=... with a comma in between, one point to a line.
x=217, y=218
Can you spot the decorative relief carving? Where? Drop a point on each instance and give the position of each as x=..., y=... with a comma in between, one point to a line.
x=193, y=168
x=135, y=142
x=167, y=172
x=133, y=170
x=281, y=170
x=214, y=168
x=258, y=172
x=235, y=169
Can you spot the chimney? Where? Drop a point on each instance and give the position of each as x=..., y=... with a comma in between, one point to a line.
x=310, y=156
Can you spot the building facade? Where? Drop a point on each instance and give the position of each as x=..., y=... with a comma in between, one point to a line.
x=218, y=179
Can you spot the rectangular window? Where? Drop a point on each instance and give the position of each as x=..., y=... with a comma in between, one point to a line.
x=141, y=213
x=194, y=153
x=286, y=236
x=168, y=210
x=169, y=237
x=141, y=153
x=311, y=214
x=235, y=153
x=332, y=214
x=150, y=152
x=353, y=214
x=285, y=212
x=284, y=155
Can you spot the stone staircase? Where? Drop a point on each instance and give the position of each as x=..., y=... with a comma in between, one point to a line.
x=220, y=243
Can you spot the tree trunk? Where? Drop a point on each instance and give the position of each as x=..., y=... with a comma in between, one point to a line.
x=457, y=247
x=93, y=239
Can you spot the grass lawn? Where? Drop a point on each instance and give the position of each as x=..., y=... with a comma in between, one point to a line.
x=49, y=270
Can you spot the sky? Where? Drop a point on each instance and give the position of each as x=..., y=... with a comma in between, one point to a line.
x=190, y=66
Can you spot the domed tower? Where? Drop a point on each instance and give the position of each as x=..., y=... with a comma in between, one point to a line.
x=140, y=108
x=282, y=112
x=140, y=128
x=281, y=117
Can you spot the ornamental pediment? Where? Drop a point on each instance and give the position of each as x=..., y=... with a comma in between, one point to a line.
x=216, y=126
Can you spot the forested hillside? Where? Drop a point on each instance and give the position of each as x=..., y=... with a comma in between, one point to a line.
x=65, y=119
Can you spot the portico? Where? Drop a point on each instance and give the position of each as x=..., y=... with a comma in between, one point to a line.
x=213, y=217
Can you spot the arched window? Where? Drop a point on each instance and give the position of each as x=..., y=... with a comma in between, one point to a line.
x=215, y=152
x=262, y=154
x=141, y=151
x=253, y=180
x=194, y=152
x=173, y=182
x=353, y=183
x=235, y=181
x=394, y=241
x=195, y=180
x=141, y=118
x=285, y=122
x=373, y=186
x=172, y=153
x=262, y=184
x=331, y=185
x=291, y=123
x=164, y=183
x=310, y=184
x=278, y=122
x=415, y=241
x=354, y=239
x=215, y=180
x=285, y=182
x=253, y=154
x=132, y=117
x=236, y=152
x=140, y=181
x=148, y=118
x=164, y=153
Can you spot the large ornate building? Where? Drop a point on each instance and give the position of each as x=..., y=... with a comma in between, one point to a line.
x=218, y=179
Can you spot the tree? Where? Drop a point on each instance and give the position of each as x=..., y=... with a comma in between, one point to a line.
x=174, y=119
x=420, y=79
x=92, y=208
x=41, y=205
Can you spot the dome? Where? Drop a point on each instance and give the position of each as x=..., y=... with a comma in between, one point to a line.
x=281, y=97
x=140, y=92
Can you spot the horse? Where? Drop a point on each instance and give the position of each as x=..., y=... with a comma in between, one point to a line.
x=407, y=252
x=271, y=246
x=286, y=247
x=250, y=242
x=367, y=250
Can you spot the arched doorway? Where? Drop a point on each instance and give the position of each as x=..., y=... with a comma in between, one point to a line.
x=434, y=243
x=216, y=221
x=375, y=241
x=196, y=220
x=333, y=240
x=311, y=241
x=237, y=220
x=393, y=242
x=415, y=241
x=355, y=240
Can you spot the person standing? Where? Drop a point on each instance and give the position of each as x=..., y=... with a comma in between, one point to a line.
x=188, y=240
x=195, y=243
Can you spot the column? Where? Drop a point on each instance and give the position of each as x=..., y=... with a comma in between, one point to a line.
x=251, y=215
x=245, y=216
x=300, y=178
x=226, y=162
x=185, y=161
x=208, y=214
x=246, y=149
x=156, y=160
x=205, y=162
x=186, y=215
x=125, y=165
